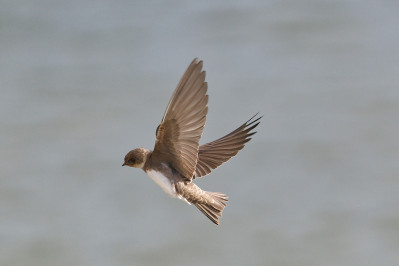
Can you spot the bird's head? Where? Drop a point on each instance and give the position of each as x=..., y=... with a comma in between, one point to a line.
x=136, y=158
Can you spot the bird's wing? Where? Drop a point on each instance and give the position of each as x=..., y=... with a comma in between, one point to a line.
x=213, y=154
x=178, y=135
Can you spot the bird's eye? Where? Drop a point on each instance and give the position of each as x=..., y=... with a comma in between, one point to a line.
x=132, y=160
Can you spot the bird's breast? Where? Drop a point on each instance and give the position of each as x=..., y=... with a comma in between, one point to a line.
x=165, y=183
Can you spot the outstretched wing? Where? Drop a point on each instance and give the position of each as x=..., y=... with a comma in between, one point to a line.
x=213, y=154
x=181, y=128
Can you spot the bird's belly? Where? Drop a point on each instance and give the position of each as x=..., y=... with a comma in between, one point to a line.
x=163, y=182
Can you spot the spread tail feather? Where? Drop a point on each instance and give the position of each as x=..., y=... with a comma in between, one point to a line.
x=213, y=206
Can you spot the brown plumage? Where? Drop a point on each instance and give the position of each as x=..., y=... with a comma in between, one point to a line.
x=213, y=154
x=177, y=158
x=181, y=128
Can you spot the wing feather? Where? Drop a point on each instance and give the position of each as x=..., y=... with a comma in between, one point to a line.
x=213, y=154
x=182, y=125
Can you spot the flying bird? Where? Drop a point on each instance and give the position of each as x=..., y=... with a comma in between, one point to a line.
x=177, y=158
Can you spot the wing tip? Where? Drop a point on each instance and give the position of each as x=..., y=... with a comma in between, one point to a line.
x=197, y=61
x=249, y=122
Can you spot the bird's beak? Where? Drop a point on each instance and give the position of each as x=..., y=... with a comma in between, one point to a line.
x=123, y=164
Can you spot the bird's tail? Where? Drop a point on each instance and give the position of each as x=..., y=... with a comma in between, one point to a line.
x=212, y=205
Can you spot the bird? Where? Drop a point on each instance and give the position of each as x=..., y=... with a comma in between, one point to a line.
x=177, y=158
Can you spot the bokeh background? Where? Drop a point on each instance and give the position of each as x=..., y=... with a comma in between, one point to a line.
x=83, y=82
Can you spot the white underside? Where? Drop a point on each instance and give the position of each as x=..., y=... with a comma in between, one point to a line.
x=163, y=182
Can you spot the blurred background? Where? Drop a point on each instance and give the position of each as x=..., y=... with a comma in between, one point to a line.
x=84, y=82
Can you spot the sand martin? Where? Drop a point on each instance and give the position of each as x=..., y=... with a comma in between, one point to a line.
x=177, y=158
